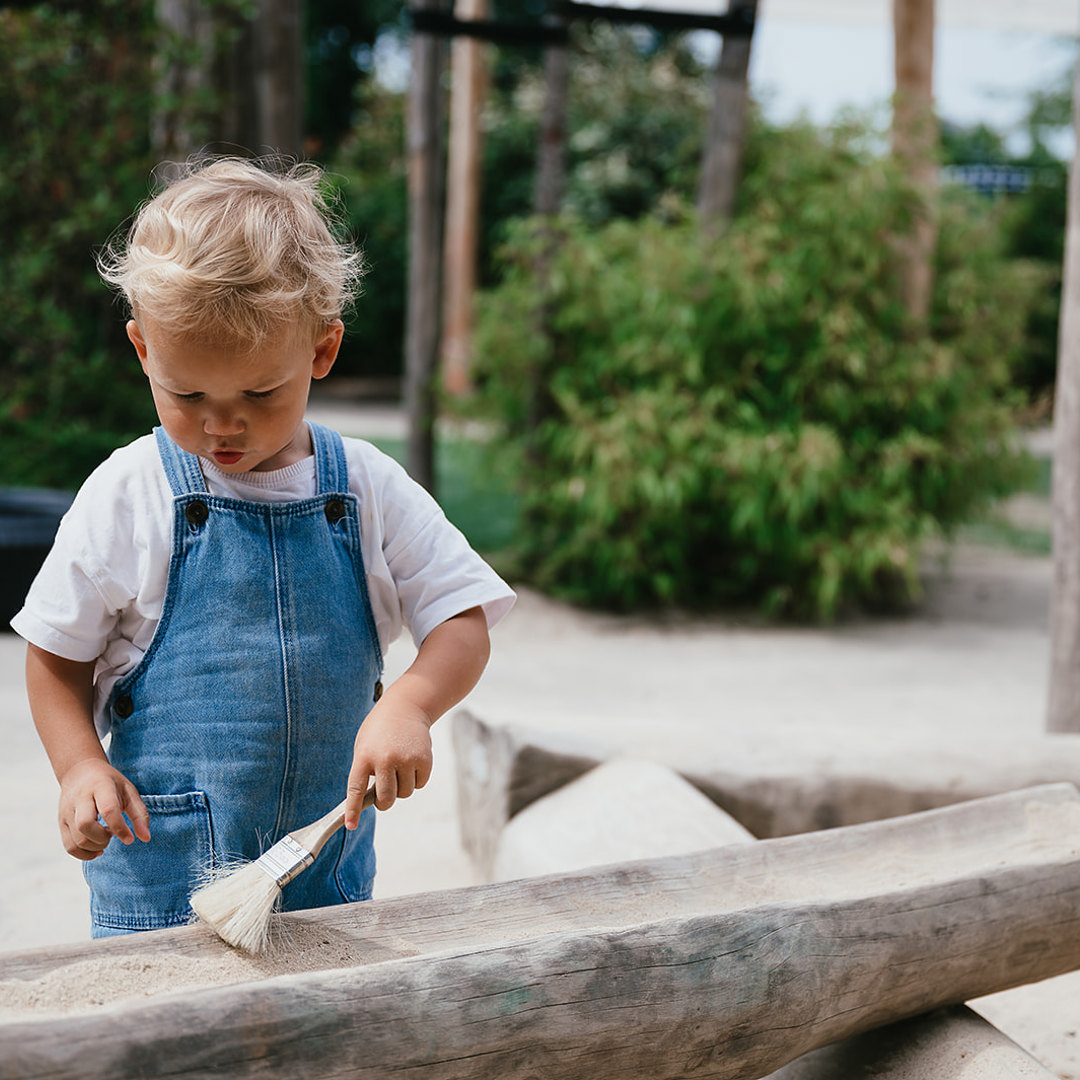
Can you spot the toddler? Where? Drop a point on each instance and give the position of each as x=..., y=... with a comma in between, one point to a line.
x=220, y=596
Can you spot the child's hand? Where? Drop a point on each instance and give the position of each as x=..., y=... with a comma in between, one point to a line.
x=90, y=789
x=393, y=746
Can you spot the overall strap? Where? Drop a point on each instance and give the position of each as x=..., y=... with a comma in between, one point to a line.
x=182, y=468
x=331, y=469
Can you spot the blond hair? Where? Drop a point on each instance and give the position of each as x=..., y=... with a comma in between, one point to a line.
x=236, y=250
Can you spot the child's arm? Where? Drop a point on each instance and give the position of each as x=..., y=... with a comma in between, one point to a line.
x=61, y=696
x=394, y=741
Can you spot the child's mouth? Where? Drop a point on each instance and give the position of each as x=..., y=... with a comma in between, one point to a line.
x=227, y=457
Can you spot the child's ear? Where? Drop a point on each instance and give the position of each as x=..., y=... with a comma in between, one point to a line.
x=326, y=349
x=136, y=339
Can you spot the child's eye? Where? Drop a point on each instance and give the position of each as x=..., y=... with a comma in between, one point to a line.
x=259, y=395
x=188, y=397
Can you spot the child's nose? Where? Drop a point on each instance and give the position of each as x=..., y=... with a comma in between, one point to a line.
x=222, y=422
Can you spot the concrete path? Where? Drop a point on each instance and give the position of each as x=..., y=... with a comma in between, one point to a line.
x=973, y=661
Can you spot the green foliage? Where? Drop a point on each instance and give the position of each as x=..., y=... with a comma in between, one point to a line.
x=636, y=117
x=753, y=420
x=1033, y=222
x=76, y=85
x=370, y=172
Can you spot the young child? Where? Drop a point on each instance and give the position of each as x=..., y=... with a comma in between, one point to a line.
x=220, y=596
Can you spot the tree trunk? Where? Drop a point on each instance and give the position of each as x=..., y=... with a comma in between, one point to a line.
x=242, y=92
x=188, y=31
x=279, y=79
x=551, y=159
x=423, y=305
x=1063, y=712
x=722, y=161
x=467, y=93
x=914, y=146
x=547, y=201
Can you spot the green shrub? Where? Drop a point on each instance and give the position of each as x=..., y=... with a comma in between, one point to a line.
x=76, y=86
x=753, y=420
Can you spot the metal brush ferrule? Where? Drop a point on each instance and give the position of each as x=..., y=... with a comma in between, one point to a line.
x=285, y=860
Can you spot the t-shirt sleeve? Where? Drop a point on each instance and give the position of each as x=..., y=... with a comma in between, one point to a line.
x=72, y=606
x=420, y=568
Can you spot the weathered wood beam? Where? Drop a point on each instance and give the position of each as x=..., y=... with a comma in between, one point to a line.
x=722, y=964
x=950, y=1042
x=774, y=788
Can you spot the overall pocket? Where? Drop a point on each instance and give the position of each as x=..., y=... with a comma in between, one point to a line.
x=147, y=886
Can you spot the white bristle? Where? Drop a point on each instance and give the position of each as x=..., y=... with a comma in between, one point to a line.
x=237, y=906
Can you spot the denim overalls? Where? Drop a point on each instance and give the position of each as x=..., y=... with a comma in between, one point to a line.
x=237, y=725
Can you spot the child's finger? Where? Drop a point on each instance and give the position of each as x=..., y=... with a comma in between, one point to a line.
x=136, y=811
x=386, y=787
x=86, y=840
x=354, y=797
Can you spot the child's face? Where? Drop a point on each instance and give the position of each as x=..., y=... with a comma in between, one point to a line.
x=242, y=412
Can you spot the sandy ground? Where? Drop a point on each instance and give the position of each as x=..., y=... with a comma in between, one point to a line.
x=973, y=661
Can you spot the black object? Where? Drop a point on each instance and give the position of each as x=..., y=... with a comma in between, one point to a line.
x=28, y=521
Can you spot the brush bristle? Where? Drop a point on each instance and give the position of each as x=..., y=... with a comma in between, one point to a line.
x=238, y=906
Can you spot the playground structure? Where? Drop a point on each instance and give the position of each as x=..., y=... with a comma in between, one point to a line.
x=745, y=958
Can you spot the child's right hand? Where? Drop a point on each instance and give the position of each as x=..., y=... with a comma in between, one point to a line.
x=90, y=789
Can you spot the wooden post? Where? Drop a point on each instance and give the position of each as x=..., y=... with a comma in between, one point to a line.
x=914, y=145
x=468, y=90
x=722, y=160
x=1063, y=711
x=423, y=304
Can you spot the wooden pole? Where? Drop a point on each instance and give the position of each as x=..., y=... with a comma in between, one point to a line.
x=423, y=304
x=1063, y=711
x=914, y=145
x=468, y=90
x=726, y=137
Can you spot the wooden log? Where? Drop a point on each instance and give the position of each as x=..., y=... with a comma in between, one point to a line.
x=950, y=1042
x=621, y=811
x=501, y=770
x=775, y=788
x=724, y=964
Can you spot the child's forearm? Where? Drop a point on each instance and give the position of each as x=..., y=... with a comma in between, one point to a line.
x=61, y=694
x=448, y=665
x=394, y=743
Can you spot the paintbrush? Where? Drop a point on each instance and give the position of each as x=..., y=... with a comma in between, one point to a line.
x=238, y=904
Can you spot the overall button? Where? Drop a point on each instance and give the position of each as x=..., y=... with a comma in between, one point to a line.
x=196, y=512
x=378, y=691
x=335, y=511
x=123, y=706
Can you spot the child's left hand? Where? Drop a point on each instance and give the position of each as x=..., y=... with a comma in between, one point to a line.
x=393, y=746
x=394, y=741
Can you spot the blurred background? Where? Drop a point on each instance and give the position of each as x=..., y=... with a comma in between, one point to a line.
x=750, y=312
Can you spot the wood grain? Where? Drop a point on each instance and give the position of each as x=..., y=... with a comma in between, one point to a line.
x=724, y=964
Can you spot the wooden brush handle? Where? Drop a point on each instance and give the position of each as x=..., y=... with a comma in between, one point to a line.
x=312, y=837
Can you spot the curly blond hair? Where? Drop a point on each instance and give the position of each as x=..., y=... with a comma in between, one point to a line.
x=236, y=250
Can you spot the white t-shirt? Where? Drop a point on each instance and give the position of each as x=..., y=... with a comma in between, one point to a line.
x=100, y=593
